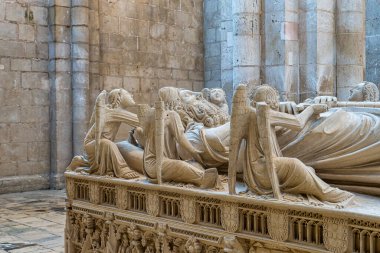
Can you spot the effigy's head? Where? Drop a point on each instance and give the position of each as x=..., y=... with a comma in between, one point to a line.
x=216, y=96
x=120, y=98
x=365, y=91
x=170, y=97
x=192, y=106
x=267, y=94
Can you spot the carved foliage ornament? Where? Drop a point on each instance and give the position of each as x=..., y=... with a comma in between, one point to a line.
x=278, y=224
x=188, y=209
x=335, y=234
x=230, y=217
x=94, y=193
x=70, y=188
x=121, y=197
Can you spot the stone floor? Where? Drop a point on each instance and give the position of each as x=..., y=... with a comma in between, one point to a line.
x=32, y=222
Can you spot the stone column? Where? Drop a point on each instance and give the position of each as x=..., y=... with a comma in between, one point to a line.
x=60, y=90
x=80, y=72
x=350, y=37
x=246, y=42
x=281, y=47
x=317, y=48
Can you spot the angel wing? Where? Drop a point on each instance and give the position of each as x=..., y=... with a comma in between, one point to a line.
x=100, y=107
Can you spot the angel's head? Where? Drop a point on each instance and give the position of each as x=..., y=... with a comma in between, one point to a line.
x=120, y=98
x=267, y=94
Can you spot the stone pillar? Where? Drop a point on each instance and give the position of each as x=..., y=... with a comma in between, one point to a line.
x=80, y=72
x=350, y=37
x=281, y=47
x=246, y=42
x=94, y=58
x=317, y=48
x=60, y=90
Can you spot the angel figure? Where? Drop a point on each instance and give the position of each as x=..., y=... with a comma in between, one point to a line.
x=103, y=155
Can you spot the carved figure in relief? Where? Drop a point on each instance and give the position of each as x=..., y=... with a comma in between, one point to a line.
x=365, y=91
x=173, y=168
x=103, y=155
x=283, y=174
x=217, y=96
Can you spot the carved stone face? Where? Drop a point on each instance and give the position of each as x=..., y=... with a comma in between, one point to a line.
x=217, y=96
x=356, y=93
x=189, y=96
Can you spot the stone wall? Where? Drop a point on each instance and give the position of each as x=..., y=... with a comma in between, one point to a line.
x=89, y=46
x=303, y=48
x=24, y=95
x=145, y=45
x=373, y=41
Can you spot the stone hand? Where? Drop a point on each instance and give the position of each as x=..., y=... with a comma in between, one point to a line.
x=319, y=108
x=325, y=99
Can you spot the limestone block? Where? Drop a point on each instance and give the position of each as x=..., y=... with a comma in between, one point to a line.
x=59, y=15
x=37, y=50
x=111, y=82
x=325, y=48
x=84, y=3
x=80, y=80
x=350, y=22
x=248, y=75
x=349, y=5
x=12, y=48
x=244, y=53
x=180, y=74
x=349, y=75
x=2, y=10
x=80, y=51
x=273, y=22
x=10, y=114
x=132, y=84
x=326, y=22
x=326, y=5
x=21, y=64
x=349, y=47
x=8, y=31
x=213, y=49
x=62, y=83
x=40, y=15
x=158, y=31
x=275, y=75
x=13, y=97
x=80, y=34
x=79, y=16
x=61, y=33
x=308, y=81
x=109, y=24
x=34, y=80
x=15, y=12
x=13, y=152
x=40, y=97
x=241, y=6
x=38, y=151
x=8, y=169
x=62, y=65
x=80, y=66
x=9, y=80
x=326, y=75
x=42, y=33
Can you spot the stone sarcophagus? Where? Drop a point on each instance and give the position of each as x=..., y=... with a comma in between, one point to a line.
x=111, y=215
x=190, y=178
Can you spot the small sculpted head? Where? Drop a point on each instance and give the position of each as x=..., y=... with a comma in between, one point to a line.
x=217, y=96
x=120, y=98
x=267, y=94
x=189, y=97
x=365, y=91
